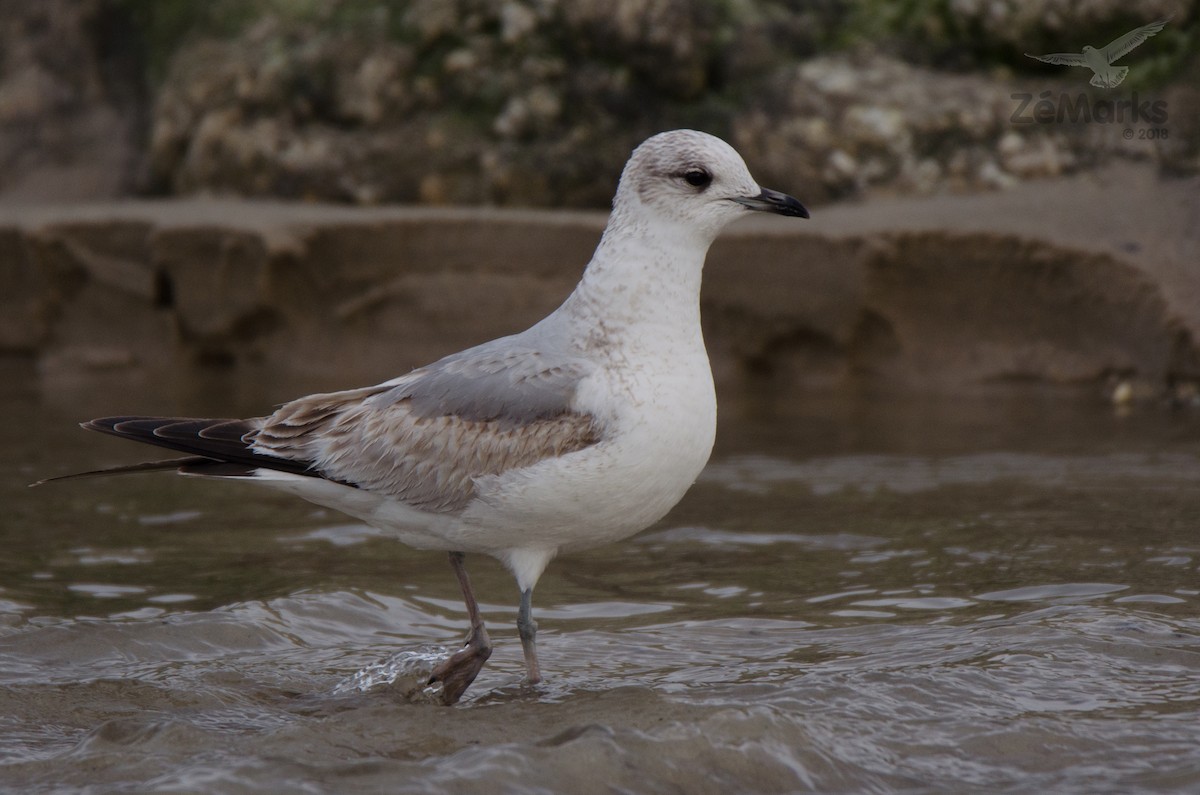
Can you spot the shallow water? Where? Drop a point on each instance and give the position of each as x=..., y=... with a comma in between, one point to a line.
x=998, y=594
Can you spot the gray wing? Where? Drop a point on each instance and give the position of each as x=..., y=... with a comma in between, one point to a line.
x=1060, y=58
x=424, y=438
x=1118, y=47
x=502, y=381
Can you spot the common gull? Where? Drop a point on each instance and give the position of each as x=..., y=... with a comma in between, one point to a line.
x=579, y=431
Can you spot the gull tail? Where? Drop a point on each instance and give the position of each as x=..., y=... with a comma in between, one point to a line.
x=1110, y=77
x=215, y=447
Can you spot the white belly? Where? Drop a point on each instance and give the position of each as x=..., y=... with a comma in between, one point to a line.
x=656, y=446
x=659, y=430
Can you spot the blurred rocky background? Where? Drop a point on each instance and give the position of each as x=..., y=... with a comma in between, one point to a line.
x=145, y=146
x=538, y=102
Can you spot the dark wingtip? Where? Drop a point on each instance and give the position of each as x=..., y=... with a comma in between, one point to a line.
x=207, y=439
x=107, y=424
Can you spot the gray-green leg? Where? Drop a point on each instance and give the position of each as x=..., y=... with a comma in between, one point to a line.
x=527, y=628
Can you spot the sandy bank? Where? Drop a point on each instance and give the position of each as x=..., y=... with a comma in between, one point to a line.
x=1068, y=282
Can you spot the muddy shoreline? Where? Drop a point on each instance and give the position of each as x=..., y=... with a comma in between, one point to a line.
x=1084, y=281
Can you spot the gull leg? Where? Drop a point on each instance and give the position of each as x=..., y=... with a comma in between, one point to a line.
x=527, y=628
x=458, y=672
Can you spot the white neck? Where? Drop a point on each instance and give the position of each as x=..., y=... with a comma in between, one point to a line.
x=642, y=275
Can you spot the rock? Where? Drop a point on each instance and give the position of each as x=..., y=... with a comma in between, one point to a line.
x=527, y=102
x=72, y=106
x=1178, y=146
x=963, y=34
x=991, y=175
x=898, y=123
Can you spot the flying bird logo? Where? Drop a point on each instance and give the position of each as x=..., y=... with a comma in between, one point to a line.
x=1100, y=60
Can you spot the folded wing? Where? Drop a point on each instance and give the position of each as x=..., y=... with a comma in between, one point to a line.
x=422, y=439
x=425, y=437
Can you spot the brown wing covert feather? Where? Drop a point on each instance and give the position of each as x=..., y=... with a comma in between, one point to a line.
x=429, y=462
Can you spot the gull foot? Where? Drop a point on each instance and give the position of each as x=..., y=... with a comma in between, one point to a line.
x=457, y=672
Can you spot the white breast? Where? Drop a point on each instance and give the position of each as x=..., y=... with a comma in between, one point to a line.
x=659, y=422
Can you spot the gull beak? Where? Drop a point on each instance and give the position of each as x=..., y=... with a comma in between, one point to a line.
x=772, y=201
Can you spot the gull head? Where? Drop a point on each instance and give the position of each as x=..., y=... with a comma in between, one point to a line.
x=690, y=178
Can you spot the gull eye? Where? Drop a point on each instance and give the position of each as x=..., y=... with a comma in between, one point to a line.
x=697, y=178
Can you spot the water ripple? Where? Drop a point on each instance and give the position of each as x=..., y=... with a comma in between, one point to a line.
x=912, y=474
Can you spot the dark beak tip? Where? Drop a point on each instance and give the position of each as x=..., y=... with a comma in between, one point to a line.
x=770, y=201
x=789, y=206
